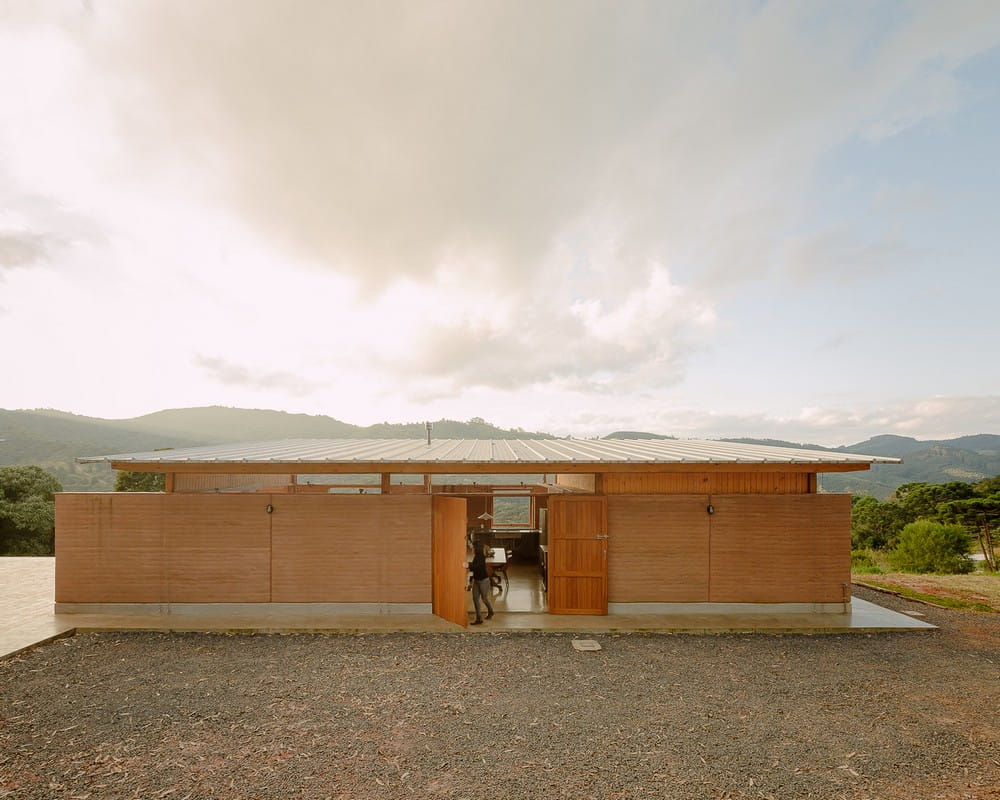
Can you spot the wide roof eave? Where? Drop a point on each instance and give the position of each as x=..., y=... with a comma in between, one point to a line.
x=460, y=455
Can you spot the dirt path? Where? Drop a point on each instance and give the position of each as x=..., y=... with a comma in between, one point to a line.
x=508, y=716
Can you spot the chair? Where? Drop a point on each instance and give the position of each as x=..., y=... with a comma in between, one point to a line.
x=499, y=576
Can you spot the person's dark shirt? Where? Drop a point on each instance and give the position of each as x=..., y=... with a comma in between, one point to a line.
x=479, y=566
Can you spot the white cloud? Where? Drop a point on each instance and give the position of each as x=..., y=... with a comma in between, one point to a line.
x=839, y=252
x=372, y=210
x=924, y=418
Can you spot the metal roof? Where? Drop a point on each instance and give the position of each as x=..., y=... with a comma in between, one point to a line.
x=493, y=451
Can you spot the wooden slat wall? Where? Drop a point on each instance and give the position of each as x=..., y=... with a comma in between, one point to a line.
x=476, y=506
x=80, y=562
x=220, y=548
x=583, y=482
x=448, y=559
x=789, y=549
x=658, y=549
x=197, y=482
x=131, y=548
x=217, y=547
x=706, y=483
x=351, y=549
x=108, y=554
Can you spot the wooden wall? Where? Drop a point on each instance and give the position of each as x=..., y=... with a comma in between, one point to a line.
x=226, y=548
x=160, y=548
x=707, y=483
x=753, y=549
x=198, y=482
x=583, y=482
x=791, y=549
x=351, y=549
x=658, y=549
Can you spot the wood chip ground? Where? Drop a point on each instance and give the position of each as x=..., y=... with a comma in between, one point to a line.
x=509, y=716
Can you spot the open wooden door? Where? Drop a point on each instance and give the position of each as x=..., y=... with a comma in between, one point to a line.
x=448, y=597
x=578, y=554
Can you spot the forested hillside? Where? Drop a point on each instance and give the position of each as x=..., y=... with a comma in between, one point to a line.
x=53, y=439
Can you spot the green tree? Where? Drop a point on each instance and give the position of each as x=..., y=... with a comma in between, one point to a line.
x=988, y=486
x=876, y=525
x=921, y=500
x=27, y=511
x=926, y=546
x=980, y=515
x=139, y=481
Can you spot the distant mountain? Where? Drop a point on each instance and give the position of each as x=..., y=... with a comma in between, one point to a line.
x=54, y=439
x=885, y=445
x=779, y=443
x=636, y=435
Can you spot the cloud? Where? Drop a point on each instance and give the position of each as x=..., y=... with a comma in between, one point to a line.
x=231, y=374
x=641, y=334
x=939, y=417
x=442, y=202
x=838, y=252
x=383, y=139
x=19, y=249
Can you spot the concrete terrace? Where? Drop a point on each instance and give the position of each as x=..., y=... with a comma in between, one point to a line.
x=28, y=618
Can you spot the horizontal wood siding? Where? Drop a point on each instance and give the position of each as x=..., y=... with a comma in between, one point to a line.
x=791, y=549
x=131, y=565
x=705, y=483
x=218, y=548
x=108, y=554
x=351, y=549
x=658, y=549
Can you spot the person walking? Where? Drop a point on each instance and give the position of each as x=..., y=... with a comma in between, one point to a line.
x=480, y=582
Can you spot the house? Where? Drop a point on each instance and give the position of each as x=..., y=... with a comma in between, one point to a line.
x=616, y=526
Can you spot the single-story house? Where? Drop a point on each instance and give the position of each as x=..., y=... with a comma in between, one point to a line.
x=617, y=525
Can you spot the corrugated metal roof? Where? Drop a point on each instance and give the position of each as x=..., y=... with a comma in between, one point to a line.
x=494, y=451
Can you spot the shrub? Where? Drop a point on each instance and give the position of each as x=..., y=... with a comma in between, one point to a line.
x=926, y=546
x=862, y=563
x=27, y=511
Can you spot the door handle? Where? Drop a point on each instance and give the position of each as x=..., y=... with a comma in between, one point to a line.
x=601, y=537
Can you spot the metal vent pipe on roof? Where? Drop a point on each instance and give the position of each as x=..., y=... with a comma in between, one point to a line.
x=427, y=425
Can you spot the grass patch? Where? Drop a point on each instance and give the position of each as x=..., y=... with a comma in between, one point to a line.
x=863, y=563
x=934, y=599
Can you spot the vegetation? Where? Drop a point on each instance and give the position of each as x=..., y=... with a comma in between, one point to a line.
x=926, y=546
x=863, y=563
x=936, y=599
x=139, y=481
x=27, y=511
x=930, y=527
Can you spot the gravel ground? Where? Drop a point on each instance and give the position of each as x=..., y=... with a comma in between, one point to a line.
x=148, y=715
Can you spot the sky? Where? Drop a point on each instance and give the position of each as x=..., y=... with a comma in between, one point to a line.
x=764, y=219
